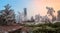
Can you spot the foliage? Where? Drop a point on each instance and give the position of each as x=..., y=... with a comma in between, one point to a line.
x=7, y=15
x=45, y=28
x=32, y=19
x=57, y=24
x=58, y=15
x=50, y=12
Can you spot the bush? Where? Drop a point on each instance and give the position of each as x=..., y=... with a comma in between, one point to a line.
x=56, y=25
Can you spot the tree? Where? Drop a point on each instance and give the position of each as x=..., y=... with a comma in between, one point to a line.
x=50, y=12
x=32, y=19
x=58, y=16
x=7, y=15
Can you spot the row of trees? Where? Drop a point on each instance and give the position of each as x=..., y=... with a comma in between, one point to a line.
x=44, y=28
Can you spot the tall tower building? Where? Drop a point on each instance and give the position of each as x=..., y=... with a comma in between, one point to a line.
x=25, y=14
x=25, y=11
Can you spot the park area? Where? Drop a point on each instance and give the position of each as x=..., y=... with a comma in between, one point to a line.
x=44, y=28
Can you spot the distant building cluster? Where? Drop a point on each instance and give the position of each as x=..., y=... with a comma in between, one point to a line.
x=38, y=18
x=8, y=15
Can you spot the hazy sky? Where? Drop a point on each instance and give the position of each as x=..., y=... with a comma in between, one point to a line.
x=33, y=6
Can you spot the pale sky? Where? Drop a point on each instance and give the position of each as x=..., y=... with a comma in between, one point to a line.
x=39, y=6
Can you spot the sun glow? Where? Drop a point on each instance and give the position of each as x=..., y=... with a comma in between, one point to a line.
x=39, y=6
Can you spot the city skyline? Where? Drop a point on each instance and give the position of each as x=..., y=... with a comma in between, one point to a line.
x=33, y=6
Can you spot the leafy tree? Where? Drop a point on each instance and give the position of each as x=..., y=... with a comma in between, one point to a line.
x=7, y=15
x=32, y=19
x=58, y=16
x=50, y=12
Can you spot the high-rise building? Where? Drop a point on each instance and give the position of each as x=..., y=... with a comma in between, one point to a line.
x=25, y=14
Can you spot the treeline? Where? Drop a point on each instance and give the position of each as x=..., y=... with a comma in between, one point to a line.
x=44, y=28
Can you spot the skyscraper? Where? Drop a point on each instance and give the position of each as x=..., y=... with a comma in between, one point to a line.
x=25, y=14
